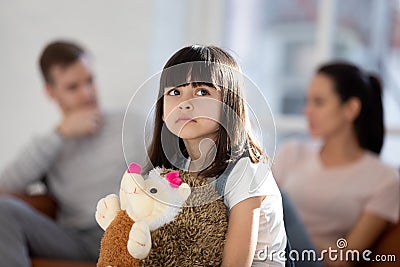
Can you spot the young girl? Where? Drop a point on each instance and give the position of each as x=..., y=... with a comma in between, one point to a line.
x=201, y=125
x=346, y=191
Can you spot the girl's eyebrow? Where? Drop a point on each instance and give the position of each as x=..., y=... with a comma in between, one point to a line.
x=194, y=84
x=199, y=84
x=204, y=84
x=167, y=88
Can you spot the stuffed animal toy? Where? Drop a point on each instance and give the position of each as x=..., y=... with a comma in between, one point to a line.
x=143, y=206
x=156, y=223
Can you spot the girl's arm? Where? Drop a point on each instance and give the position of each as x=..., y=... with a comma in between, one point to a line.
x=363, y=235
x=241, y=238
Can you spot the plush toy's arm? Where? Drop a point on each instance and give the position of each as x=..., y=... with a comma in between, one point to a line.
x=107, y=209
x=139, y=243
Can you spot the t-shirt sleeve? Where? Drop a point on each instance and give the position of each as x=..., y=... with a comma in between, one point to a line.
x=247, y=180
x=285, y=158
x=385, y=200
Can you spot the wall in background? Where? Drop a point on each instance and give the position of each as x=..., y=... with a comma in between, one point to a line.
x=130, y=41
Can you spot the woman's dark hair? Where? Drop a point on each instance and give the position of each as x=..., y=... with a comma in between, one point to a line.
x=214, y=67
x=350, y=81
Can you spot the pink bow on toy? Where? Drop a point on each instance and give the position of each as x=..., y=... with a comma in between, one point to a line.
x=173, y=179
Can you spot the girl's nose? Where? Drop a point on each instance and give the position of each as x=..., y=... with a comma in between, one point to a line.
x=186, y=105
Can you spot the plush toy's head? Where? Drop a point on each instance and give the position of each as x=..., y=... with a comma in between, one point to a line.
x=156, y=200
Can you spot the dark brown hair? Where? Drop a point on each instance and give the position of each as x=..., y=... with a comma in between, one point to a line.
x=60, y=53
x=350, y=81
x=216, y=68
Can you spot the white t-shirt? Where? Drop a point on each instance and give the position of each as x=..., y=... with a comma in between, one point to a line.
x=249, y=180
x=330, y=200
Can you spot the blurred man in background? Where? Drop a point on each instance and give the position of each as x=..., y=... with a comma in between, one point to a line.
x=81, y=160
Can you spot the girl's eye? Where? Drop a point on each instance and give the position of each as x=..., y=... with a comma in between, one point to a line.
x=173, y=92
x=202, y=92
x=153, y=190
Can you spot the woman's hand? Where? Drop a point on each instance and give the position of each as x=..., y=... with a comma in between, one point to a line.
x=364, y=233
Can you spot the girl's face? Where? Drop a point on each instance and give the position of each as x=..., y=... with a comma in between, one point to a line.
x=192, y=112
x=325, y=112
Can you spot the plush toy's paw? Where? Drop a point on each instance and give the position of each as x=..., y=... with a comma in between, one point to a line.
x=107, y=209
x=139, y=243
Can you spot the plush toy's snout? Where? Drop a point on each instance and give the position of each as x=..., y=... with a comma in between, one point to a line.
x=132, y=194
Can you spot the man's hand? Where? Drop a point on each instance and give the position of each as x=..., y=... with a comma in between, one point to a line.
x=82, y=122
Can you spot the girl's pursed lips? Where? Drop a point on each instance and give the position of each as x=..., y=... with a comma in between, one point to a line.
x=184, y=119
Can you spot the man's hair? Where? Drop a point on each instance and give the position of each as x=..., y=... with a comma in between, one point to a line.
x=61, y=53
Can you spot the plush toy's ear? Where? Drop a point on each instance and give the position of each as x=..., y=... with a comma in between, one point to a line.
x=184, y=191
x=134, y=168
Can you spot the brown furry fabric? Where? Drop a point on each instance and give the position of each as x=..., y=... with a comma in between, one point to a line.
x=197, y=235
x=195, y=238
x=113, y=249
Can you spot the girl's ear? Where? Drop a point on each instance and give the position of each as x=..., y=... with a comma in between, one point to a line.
x=352, y=108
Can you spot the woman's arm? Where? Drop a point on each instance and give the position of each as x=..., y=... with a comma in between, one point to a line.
x=241, y=238
x=363, y=235
x=366, y=231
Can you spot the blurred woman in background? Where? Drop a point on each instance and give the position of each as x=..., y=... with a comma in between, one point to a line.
x=340, y=187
